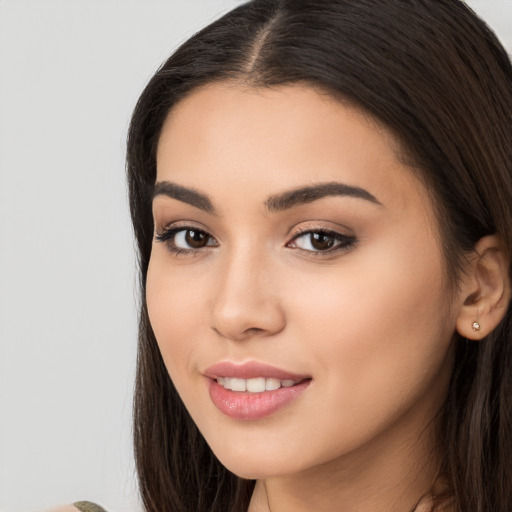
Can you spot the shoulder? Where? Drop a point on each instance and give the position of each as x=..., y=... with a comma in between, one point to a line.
x=79, y=506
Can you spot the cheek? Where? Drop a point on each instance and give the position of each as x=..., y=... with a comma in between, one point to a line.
x=381, y=329
x=173, y=309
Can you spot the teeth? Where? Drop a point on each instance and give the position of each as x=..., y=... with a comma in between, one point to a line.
x=256, y=385
x=238, y=384
x=272, y=384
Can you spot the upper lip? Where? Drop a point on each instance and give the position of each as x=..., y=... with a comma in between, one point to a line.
x=250, y=370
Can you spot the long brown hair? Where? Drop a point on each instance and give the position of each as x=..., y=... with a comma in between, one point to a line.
x=437, y=77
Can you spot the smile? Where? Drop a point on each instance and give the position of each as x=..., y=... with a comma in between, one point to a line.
x=253, y=390
x=255, y=385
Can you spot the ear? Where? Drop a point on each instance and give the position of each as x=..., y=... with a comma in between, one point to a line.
x=485, y=289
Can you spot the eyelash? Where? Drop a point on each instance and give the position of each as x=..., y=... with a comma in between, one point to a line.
x=341, y=242
x=167, y=236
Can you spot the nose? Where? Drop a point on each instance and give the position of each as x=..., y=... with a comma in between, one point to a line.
x=246, y=303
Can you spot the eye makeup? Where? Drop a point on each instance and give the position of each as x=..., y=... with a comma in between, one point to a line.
x=321, y=241
x=317, y=241
x=182, y=240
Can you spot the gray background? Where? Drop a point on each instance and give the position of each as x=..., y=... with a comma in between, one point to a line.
x=70, y=73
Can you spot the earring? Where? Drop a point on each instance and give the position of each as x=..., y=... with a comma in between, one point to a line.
x=475, y=327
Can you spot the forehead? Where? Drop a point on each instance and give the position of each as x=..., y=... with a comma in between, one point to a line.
x=274, y=138
x=281, y=116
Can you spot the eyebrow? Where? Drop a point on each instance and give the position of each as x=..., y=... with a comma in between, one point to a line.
x=275, y=203
x=304, y=195
x=184, y=194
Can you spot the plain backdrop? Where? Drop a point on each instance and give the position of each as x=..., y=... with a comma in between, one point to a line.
x=70, y=74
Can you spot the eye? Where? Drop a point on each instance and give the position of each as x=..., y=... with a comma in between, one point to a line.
x=186, y=239
x=191, y=239
x=321, y=241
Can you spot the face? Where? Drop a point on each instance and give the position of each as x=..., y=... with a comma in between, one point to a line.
x=296, y=285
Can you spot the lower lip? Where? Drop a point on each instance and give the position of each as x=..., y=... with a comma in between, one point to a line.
x=243, y=405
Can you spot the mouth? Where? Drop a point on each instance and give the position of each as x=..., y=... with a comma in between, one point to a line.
x=252, y=391
x=255, y=385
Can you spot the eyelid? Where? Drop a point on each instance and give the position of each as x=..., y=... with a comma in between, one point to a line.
x=167, y=236
x=345, y=241
x=165, y=227
x=305, y=228
x=182, y=223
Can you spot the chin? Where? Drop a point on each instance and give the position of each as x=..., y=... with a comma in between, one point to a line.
x=253, y=470
x=253, y=461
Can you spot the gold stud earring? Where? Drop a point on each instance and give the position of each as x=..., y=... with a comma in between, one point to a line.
x=475, y=327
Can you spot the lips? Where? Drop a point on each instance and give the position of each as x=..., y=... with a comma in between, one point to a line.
x=253, y=390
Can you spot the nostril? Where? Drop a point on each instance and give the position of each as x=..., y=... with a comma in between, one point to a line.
x=238, y=335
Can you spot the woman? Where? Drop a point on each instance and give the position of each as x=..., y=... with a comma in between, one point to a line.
x=321, y=194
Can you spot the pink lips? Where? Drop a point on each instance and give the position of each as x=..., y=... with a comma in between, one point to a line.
x=250, y=370
x=252, y=406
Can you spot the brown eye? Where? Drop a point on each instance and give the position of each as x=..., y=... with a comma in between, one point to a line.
x=321, y=241
x=186, y=239
x=196, y=239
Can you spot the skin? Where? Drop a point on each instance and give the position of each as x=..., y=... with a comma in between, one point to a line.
x=371, y=323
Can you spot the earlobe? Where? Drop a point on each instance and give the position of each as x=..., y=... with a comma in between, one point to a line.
x=485, y=289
